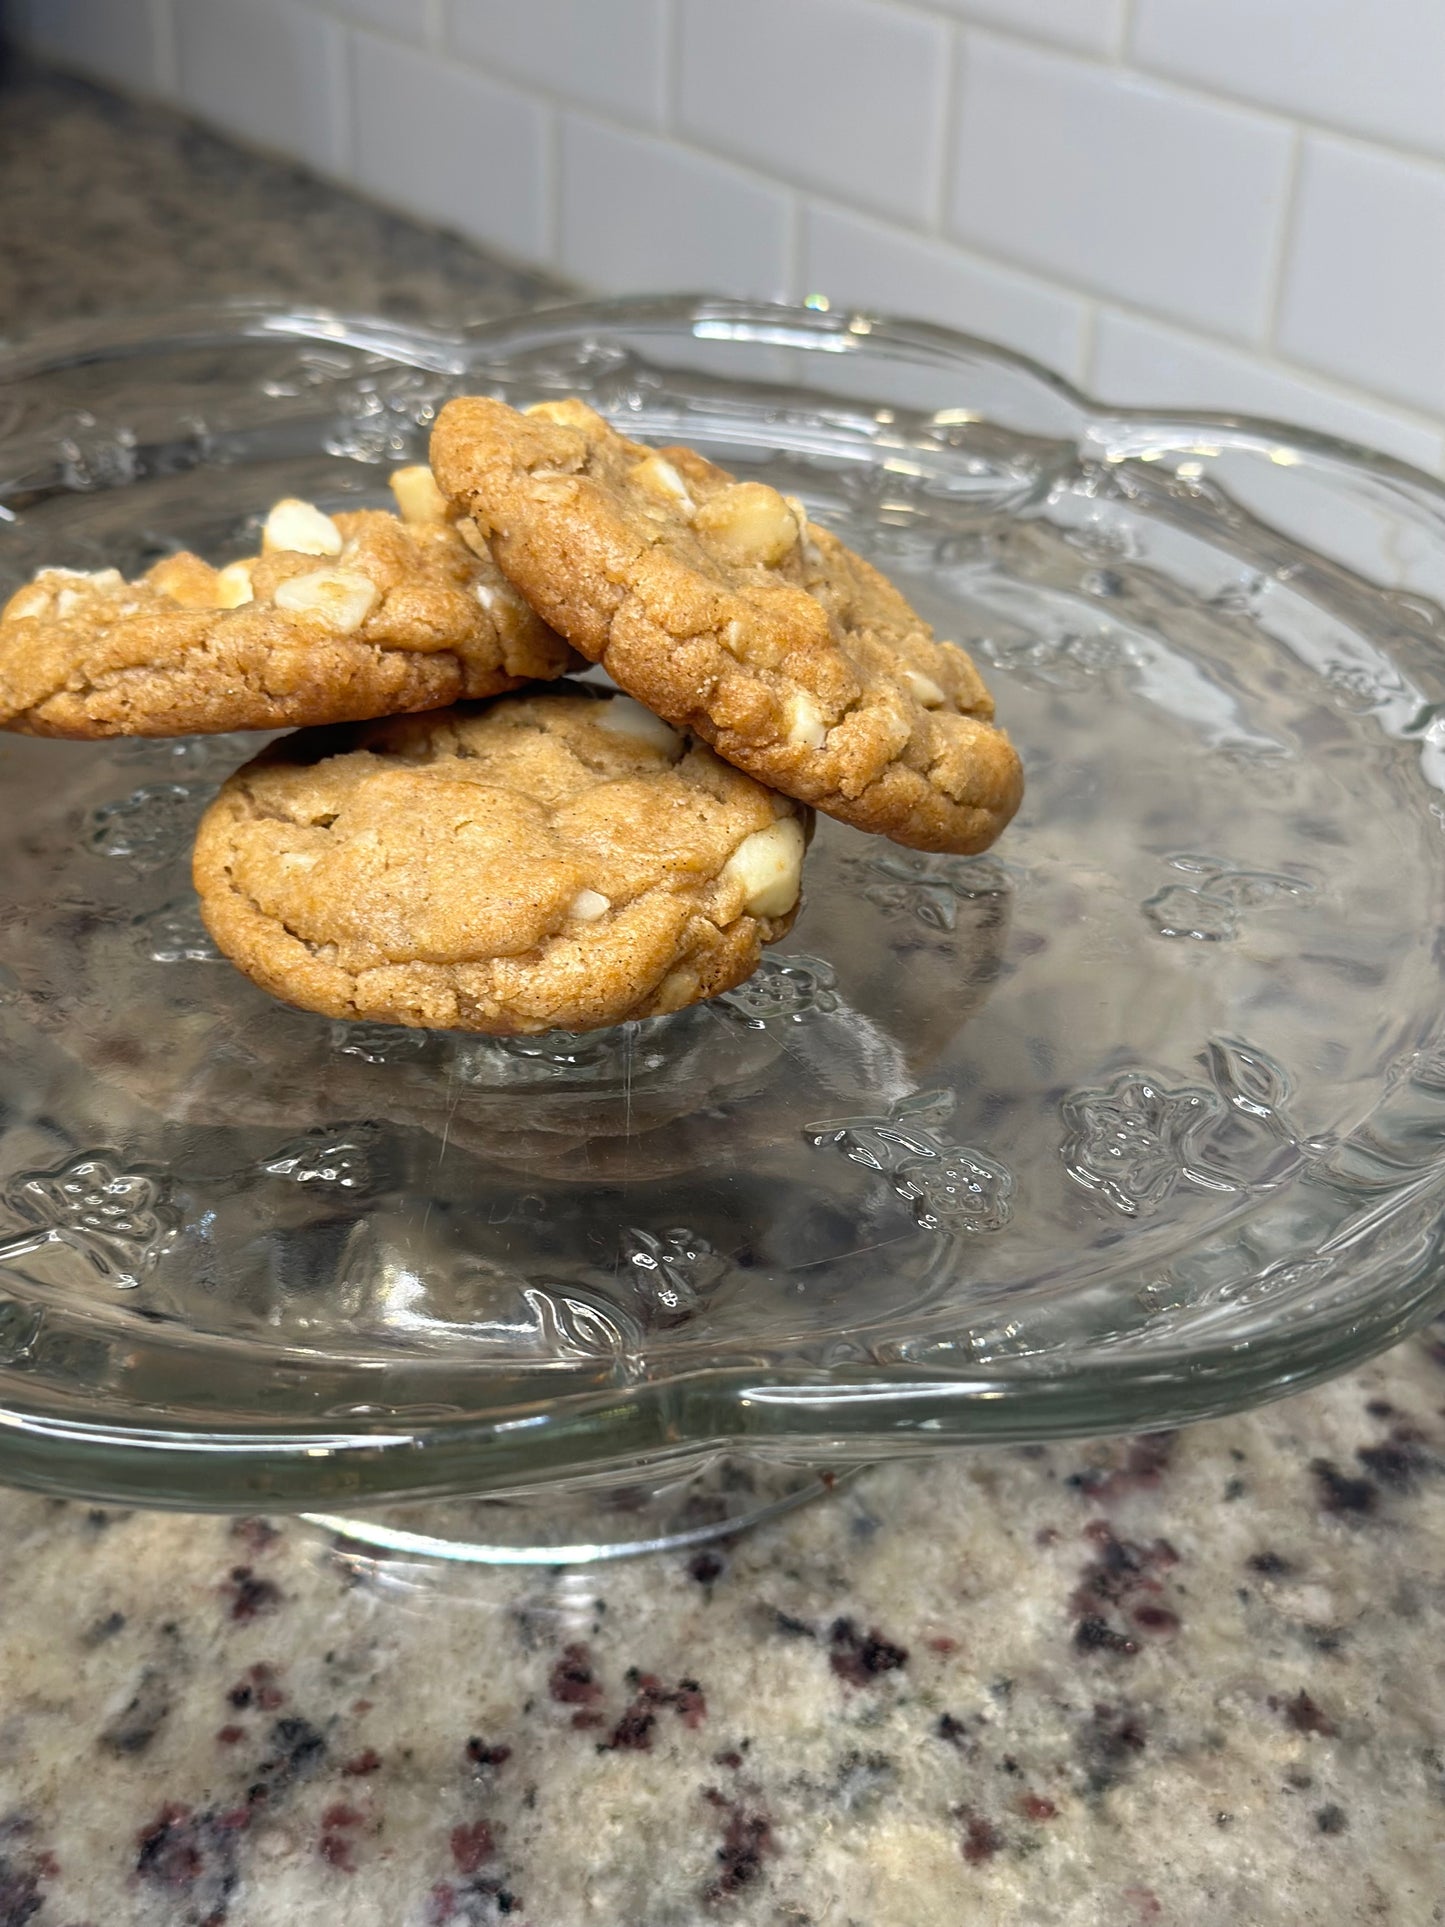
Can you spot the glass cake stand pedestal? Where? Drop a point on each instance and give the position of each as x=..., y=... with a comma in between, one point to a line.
x=580, y=1521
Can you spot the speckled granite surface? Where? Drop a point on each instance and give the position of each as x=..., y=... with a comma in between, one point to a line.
x=1192, y=1680
x=107, y=205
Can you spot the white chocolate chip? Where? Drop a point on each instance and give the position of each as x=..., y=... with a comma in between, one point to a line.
x=621, y=716
x=233, y=586
x=571, y=413
x=469, y=532
x=924, y=688
x=588, y=905
x=101, y=578
x=417, y=495
x=300, y=528
x=553, y=485
x=67, y=598
x=806, y=728
x=500, y=600
x=32, y=600
x=340, y=598
x=751, y=523
x=769, y=867
x=660, y=478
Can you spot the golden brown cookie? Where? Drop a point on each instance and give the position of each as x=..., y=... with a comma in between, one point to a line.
x=719, y=605
x=552, y=861
x=340, y=617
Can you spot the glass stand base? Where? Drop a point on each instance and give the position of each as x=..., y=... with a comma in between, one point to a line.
x=582, y=1521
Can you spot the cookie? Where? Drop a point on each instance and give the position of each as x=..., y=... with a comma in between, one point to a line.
x=553, y=861
x=340, y=617
x=724, y=609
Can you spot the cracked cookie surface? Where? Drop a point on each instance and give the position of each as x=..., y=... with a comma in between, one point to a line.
x=560, y=860
x=724, y=609
x=339, y=618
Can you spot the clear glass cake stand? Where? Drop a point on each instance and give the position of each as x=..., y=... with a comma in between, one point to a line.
x=1135, y=1119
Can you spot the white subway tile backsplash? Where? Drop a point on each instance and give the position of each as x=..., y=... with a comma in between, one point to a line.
x=1142, y=365
x=1252, y=184
x=843, y=95
x=607, y=55
x=268, y=70
x=863, y=263
x=1096, y=26
x=639, y=214
x=1119, y=184
x=112, y=40
x=452, y=147
x=1364, y=290
x=406, y=19
x=1372, y=66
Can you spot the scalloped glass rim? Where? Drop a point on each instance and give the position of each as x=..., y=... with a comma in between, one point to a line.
x=815, y=1413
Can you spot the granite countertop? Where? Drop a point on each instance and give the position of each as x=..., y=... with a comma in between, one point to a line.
x=1191, y=1679
x=104, y=206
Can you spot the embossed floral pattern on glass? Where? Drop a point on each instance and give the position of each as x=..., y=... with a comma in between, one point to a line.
x=1133, y=1117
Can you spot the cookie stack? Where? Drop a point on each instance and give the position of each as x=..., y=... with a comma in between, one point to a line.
x=431, y=849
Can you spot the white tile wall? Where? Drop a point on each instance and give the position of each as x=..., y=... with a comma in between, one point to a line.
x=1120, y=184
x=1364, y=292
x=1146, y=365
x=272, y=72
x=451, y=146
x=1095, y=25
x=611, y=56
x=867, y=264
x=842, y=95
x=1376, y=67
x=407, y=19
x=636, y=214
x=1230, y=203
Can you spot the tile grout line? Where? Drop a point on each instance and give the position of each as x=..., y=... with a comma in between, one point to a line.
x=1099, y=302
x=1083, y=373
x=344, y=81
x=795, y=199
x=670, y=30
x=1330, y=387
x=695, y=148
x=1213, y=96
x=166, y=72
x=552, y=185
x=1026, y=271
x=1305, y=123
x=948, y=129
x=1289, y=207
x=793, y=247
x=807, y=206
x=683, y=143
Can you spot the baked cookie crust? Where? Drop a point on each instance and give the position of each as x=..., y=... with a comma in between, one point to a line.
x=719, y=605
x=560, y=860
x=340, y=617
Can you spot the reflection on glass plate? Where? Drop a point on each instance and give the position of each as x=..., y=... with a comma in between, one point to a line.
x=1136, y=1117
